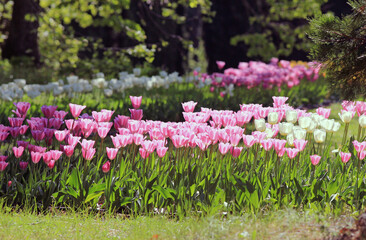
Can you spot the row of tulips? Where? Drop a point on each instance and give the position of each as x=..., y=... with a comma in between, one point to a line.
x=214, y=157
x=253, y=74
x=75, y=85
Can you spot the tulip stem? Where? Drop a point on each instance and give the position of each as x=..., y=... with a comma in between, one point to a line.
x=359, y=132
x=345, y=133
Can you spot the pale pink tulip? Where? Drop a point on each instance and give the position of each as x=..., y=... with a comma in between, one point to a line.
x=136, y=101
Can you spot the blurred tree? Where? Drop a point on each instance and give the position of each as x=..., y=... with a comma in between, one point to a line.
x=22, y=39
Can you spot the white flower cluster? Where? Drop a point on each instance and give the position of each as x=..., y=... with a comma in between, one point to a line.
x=16, y=89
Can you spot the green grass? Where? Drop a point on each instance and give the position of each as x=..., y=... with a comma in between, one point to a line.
x=284, y=224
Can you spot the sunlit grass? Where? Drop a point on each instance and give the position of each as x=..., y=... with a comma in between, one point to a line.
x=284, y=224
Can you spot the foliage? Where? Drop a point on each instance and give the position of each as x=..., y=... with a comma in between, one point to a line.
x=275, y=32
x=340, y=45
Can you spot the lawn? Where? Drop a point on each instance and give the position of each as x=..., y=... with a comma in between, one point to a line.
x=284, y=224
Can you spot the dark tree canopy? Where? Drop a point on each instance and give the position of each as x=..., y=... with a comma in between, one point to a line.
x=340, y=45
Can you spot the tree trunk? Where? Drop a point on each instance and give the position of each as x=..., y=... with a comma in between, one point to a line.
x=22, y=40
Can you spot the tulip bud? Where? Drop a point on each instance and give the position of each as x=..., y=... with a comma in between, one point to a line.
x=106, y=167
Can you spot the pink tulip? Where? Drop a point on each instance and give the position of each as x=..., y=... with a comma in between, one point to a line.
x=243, y=117
x=249, y=140
x=100, y=116
x=23, y=165
x=267, y=144
x=56, y=154
x=111, y=153
x=76, y=109
x=300, y=144
x=136, y=101
x=315, y=159
x=3, y=165
x=60, y=135
x=279, y=101
x=279, y=144
x=3, y=136
x=69, y=150
x=15, y=131
x=161, y=151
x=292, y=152
x=22, y=107
x=60, y=114
x=9, y=183
x=18, y=151
x=36, y=157
x=149, y=146
x=23, y=129
x=224, y=148
x=235, y=139
x=220, y=64
x=16, y=122
x=179, y=141
x=3, y=158
x=359, y=146
x=88, y=154
x=235, y=151
x=138, y=138
x=55, y=123
x=144, y=154
x=281, y=152
x=345, y=157
x=102, y=132
x=87, y=144
x=37, y=149
x=69, y=123
x=71, y=140
x=38, y=135
x=47, y=157
x=361, y=155
x=51, y=164
x=48, y=132
x=323, y=112
x=121, y=121
x=106, y=167
x=136, y=114
x=189, y=106
x=48, y=111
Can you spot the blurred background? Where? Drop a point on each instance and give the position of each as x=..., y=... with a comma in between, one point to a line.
x=42, y=40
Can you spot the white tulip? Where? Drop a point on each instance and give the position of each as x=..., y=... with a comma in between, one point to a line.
x=362, y=121
x=260, y=124
x=273, y=117
x=305, y=122
x=319, y=135
x=300, y=134
x=285, y=128
x=346, y=116
x=327, y=124
x=291, y=116
x=290, y=139
x=336, y=127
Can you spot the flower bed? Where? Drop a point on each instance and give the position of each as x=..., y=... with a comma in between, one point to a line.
x=210, y=162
